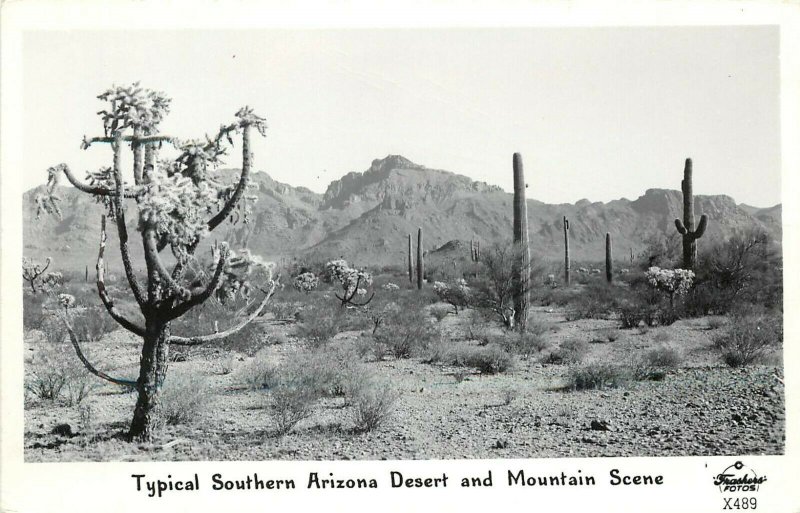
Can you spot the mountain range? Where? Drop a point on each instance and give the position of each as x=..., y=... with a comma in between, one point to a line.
x=365, y=217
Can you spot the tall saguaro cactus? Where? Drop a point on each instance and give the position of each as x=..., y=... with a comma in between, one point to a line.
x=686, y=228
x=522, y=265
x=410, y=261
x=609, y=264
x=420, y=260
x=178, y=204
x=566, y=251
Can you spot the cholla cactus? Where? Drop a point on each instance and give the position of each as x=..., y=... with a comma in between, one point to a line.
x=456, y=294
x=675, y=282
x=305, y=282
x=66, y=301
x=391, y=287
x=351, y=281
x=32, y=272
x=53, y=280
x=178, y=202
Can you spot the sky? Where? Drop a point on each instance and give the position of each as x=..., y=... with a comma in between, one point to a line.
x=597, y=113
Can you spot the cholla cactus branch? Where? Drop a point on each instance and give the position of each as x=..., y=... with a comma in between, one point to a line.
x=193, y=341
x=196, y=298
x=122, y=228
x=86, y=363
x=103, y=293
x=241, y=186
x=32, y=271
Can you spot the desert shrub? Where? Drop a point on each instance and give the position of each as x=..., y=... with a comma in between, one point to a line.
x=596, y=301
x=523, y=344
x=662, y=336
x=630, y=315
x=93, y=324
x=569, y=352
x=749, y=338
x=456, y=294
x=596, y=376
x=490, y=359
x=373, y=405
x=320, y=325
x=663, y=357
x=32, y=311
x=509, y=394
x=715, y=323
x=56, y=373
x=258, y=373
x=305, y=282
x=607, y=335
x=54, y=329
x=289, y=405
x=406, y=331
x=283, y=310
x=182, y=398
x=439, y=312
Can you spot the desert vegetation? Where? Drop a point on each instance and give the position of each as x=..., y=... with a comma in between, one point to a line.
x=496, y=354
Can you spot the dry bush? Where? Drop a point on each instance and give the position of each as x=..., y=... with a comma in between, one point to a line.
x=509, y=394
x=439, y=312
x=319, y=325
x=569, y=352
x=289, y=406
x=258, y=373
x=406, y=331
x=56, y=373
x=373, y=404
x=489, y=359
x=182, y=398
x=596, y=376
x=749, y=338
x=523, y=344
x=32, y=311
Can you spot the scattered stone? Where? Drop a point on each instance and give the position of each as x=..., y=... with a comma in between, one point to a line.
x=62, y=430
x=599, y=425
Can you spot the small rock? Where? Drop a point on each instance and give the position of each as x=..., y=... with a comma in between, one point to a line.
x=62, y=430
x=500, y=444
x=599, y=425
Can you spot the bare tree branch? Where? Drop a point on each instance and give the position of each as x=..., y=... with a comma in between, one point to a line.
x=101, y=287
x=193, y=341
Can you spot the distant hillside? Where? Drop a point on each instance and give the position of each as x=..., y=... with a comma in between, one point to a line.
x=366, y=216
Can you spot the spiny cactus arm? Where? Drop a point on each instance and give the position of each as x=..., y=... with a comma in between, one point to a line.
x=241, y=186
x=150, y=139
x=701, y=227
x=193, y=341
x=122, y=228
x=151, y=255
x=86, y=363
x=198, y=297
x=83, y=187
x=103, y=293
x=679, y=225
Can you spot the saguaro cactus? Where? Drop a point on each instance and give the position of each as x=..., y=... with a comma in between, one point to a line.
x=522, y=265
x=686, y=228
x=566, y=251
x=410, y=261
x=420, y=259
x=609, y=264
x=178, y=203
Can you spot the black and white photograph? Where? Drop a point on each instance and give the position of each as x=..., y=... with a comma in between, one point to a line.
x=396, y=244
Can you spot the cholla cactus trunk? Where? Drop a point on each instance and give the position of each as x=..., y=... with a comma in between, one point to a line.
x=609, y=264
x=420, y=260
x=566, y=250
x=687, y=229
x=522, y=265
x=410, y=261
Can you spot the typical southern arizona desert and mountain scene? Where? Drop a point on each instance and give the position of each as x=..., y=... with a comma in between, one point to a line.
x=403, y=245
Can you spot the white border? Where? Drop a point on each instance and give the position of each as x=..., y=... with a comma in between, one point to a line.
x=108, y=486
